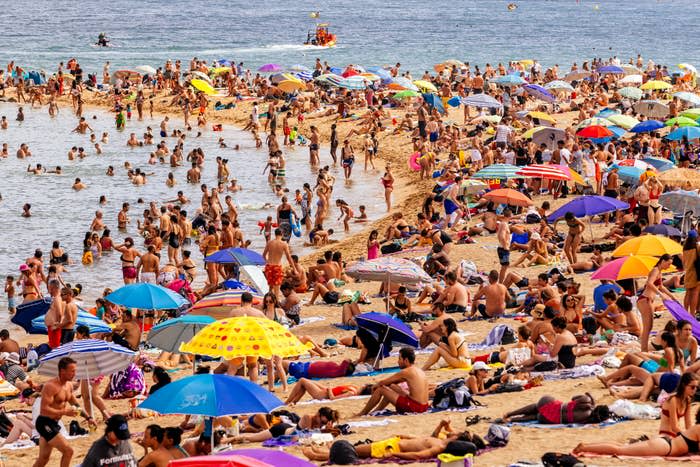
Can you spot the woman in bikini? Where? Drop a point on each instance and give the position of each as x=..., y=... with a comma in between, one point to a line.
x=655, y=189
x=548, y=410
x=209, y=245
x=677, y=407
x=645, y=303
x=573, y=240
x=30, y=289
x=692, y=282
x=128, y=259
x=320, y=392
x=388, y=182
x=687, y=343
x=452, y=348
x=189, y=270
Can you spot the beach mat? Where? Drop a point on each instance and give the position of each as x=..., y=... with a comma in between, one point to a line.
x=639, y=459
x=391, y=413
x=536, y=424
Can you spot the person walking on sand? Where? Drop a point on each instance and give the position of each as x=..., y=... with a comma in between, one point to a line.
x=503, y=250
x=388, y=182
x=273, y=253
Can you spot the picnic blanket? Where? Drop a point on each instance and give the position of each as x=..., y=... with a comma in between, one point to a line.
x=536, y=424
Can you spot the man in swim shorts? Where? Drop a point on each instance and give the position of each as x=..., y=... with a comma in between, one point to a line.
x=388, y=391
x=273, y=253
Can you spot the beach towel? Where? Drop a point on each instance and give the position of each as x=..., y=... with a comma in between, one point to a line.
x=383, y=371
x=536, y=424
x=330, y=401
x=581, y=371
x=390, y=413
x=345, y=327
x=495, y=337
x=679, y=312
x=369, y=423
x=640, y=459
x=310, y=319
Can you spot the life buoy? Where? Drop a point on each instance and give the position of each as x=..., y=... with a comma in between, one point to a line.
x=413, y=163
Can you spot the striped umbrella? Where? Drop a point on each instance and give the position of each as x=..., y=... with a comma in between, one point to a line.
x=353, y=82
x=545, y=171
x=482, y=100
x=500, y=171
x=330, y=79
x=94, y=357
x=400, y=83
x=389, y=268
x=635, y=163
x=219, y=304
x=304, y=75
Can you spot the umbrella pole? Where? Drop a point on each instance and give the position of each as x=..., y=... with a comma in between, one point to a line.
x=87, y=382
x=388, y=291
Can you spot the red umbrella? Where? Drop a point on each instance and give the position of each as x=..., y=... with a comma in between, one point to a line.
x=545, y=171
x=350, y=72
x=594, y=131
x=508, y=196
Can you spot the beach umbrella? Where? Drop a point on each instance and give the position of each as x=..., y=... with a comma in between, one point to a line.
x=401, y=82
x=640, y=164
x=681, y=201
x=203, y=86
x=548, y=136
x=370, y=77
x=690, y=97
x=406, y=94
x=245, y=336
x=353, y=83
x=531, y=132
x=651, y=109
x=629, y=175
x=28, y=311
x=304, y=75
x=628, y=267
x=688, y=132
x=389, y=331
x=687, y=67
x=270, y=68
x=299, y=67
x=242, y=256
x=389, y=268
x=219, y=460
x=220, y=70
x=541, y=116
x=425, y=86
x=146, y=69
x=544, y=171
x=329, y=78
x=279, y=77
x=384, y=74
x=655, y=85
x=606, y=113
x=145, y=296
x=647, y=126
x=200, y=75
x=538, y=92
x=648, y=245
x=659, y=163
x=509, y=80
x=508, y=196
x=681, y=122
x=95, y=324
x=234, y=284
x=631, y=93
x=290, y=86
x=663, y=229
x=611, y=70
x=632, y=79
x=497, y=171
x=624, y=121
x=170, y=334
x=594, y=131
x=271, y=456
x=470, y=186
x=482, y=101
x=591, y=205
x=691, y=113
x=559, y=85
x=219, y=304
x=434, y=102
x=594, y=121
x=577, y=75
x=574, y=176
x=682, y=177
x=631, y=69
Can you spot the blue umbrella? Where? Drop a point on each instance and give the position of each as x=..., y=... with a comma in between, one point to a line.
x=434, y=101
x=242, y=256
x=618, y=133
x=212, y=396
x=388, y=330
x=660, y=164
x=304, y=75
x=663, y=229
x=688, y=132
x=238, y=285
x=223, y=62
x=629, y=174
x=169, y=335
x=482, y=100
x=384, y=74
x=95, y=324
x=588, y=206
x=611, y=69
x=144, y=296
x=605, y=113
x=509, y=80
x=538, y=92
x=455, y=101
x=647, y=126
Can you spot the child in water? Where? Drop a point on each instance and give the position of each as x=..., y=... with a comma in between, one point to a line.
x=10, y=292
x=119, y=120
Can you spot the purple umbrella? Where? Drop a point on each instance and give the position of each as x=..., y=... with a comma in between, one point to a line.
x=270, y=68
x=539, y=92
x=271, y=456
x=588, y=206
x=679, y=312
x=611, y=69
x=388, y=329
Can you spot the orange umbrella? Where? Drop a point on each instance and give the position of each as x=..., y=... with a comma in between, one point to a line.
x=508, y=196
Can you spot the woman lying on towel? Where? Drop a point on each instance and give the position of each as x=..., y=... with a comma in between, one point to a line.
x=687, y=442
x=548, y=410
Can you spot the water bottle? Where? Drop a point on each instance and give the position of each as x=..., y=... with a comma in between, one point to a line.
x=32, y=360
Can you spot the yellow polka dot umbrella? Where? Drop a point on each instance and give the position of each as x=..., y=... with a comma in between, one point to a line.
x=245, y=336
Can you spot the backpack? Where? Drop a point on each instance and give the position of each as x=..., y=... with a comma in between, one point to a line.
x=453, y=394
x=555, y=459
x=498, y=435
x=390, y=248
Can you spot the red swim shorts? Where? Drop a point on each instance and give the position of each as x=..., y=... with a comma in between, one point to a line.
x=274, y=274
x=405, y=404
x=54, y=337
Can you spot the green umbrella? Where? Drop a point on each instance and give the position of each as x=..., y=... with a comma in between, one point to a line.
x=406, y=94
x=681, y=121
x=624, y=121
x=631, y=93
x=691, y=113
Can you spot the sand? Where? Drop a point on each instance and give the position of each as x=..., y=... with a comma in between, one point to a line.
x=525, y=443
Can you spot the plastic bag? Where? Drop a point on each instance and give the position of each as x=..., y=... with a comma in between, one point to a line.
x=635, y=411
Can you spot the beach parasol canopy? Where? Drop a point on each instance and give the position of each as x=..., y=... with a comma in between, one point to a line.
x=682, y=177
x=219, y=304
x=687, y=132
x=647, y=126
x=509, y=80
x=548, y=136
x=628, y=174
x=659, y=163
x=606, y=113
x=632, y=79
x=594, y=131
x=245, y=336
x=170, y=334
x=631, y=93
x=470, y=186
x=406, y=94
x=648, y=245
x=425, y=86
x=577, y=75
x=655, y=85
x=544, y=171
x=400, y=83
x=147, y=69
x=584, y=206
x=681, y=121
x=497, y=171
x=508, y=196
x=242, y=256
x=611, y=70
x=94, y=357
x=541, y=116
x=389, y=331
x=663, y=229
x=640, y=164
x=693, y=113
x=219, y=460
x=145, y=296
x=651, y=109
x=353, y=83
x=329, y=78
x=689, y=97
x=558, y=85
x=681, y=202
x=624, y=121
x=203, y=86
x=628, y=267
x=390, y=268
x=290, y=86
x=270, y=68
x=482, y=101
x=272, y=457
x=594, y=121
x=538, y=92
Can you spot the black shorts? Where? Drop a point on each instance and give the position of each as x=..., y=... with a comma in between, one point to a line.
x=67, y=335
x=280, y=429
x=455, y=309
x=610, y=193
x=47, y=427
x=522, y=283
x=331, y=297
x=481, y=308
x=503, y=256
x=421, y=129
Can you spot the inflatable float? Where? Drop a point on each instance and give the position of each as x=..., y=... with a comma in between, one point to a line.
x=413, y=163
x=296, y=225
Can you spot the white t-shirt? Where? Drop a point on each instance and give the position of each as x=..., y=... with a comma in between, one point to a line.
x=254, y=114
x=546, y=156
x=509, y=157
x=476, y=155
x=565, y=156
x=503, y=132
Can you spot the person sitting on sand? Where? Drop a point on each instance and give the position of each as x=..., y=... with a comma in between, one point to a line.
x=548, y=410
x=676, y=408
x=560, y=350
x=536, y=252
x=451, y=348
x=494, y=296
x=388, y=391
x=432, y=331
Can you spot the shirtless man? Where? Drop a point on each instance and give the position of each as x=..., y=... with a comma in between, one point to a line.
x=148, y=266
x=70, y=316
x=494, y=295
x=53, y=317
x=246, y=308
x=97, y=224
x=127, y=334
x=78, y=185
x=123, y=217
x=57, y=400
x=7, y=344
x=430, y=330
x=387, y=391
x=273, y=253
x=454, y=296
x=82, y=127
x=503, y=250
x=132, y=141
x=159, y=456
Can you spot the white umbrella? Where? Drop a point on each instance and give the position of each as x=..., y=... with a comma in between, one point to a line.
x=632, y=79
x=146, y=69
x=558, y=85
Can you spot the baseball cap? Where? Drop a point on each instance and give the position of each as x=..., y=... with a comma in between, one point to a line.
x=118, y=425
x=480, y=366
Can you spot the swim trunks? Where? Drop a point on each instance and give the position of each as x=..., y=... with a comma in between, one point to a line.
x=313, y=147
x=405, y=404
x=67, y=335
x=47, y=427
x=331, y=297
x=455, y=309
x=148, y=277
x=503, y=256
x=433, y=136
x=54, y=337
x=450, y=207
x=129, y=272
x=386, y=448
x=274, y=274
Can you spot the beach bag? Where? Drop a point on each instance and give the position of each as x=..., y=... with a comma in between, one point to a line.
x=390, y=248
x=547, y=366
x=532, y=219
x=508, y=337
x=556, y=459
x=453, y=394
x=498, y=435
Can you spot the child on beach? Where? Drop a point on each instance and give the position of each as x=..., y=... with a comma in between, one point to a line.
x=266, y=228
x=10, y=292
x=345, y=213
x=363, y=214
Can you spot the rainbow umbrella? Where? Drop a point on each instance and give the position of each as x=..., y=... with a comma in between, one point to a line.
x=681, y=121
x=648, y=245
x=219, y=304
x=628, y=267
